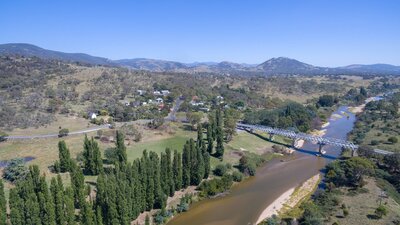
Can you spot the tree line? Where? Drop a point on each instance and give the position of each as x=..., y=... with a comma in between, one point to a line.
x=123, y=189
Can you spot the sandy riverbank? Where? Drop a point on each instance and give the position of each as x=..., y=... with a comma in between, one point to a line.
x=290, y=198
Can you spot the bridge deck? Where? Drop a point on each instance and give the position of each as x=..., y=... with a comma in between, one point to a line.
x=299, y=135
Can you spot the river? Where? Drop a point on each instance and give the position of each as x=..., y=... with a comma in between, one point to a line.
x=247, y=200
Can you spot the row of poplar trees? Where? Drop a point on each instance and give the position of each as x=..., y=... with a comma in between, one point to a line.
x=123, y=190
x=215, y=132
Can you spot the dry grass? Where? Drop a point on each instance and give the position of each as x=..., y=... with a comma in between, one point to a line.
x=362, y=206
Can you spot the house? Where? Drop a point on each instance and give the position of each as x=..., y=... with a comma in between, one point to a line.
x=165, y=92
x=220, y=99
x=196, y=103
x=141, y=92
x=135, y=104
x=204, y=109
x=159, y=100
x=93, y=116
x=157, y=93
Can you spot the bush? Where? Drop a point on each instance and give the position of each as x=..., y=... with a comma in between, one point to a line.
x=215, y=186
x=393, y=140
x=220, y=170
x=15, y=170
x=63, y=132
x=381, y=211
x=237, y=176
x=374, y=142
x=111, y=155
x=3, y=136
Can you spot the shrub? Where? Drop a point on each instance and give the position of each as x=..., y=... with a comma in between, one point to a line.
x=237, y=176
x=15, y=170
x=381, y=211
x=345, y=212
x=3, y=136
x=374, y=142
x=63, y=132
x=220, y=170
x=393, y=140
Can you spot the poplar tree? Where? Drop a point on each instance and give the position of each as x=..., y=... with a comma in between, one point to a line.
x=93, y=163
x=210, y=140
x=16, y=208
x=87, y=215
x=69, y=206
x=177, y=170
x=186, y=164
x=170, y=174
x=58, y=200
x=121, y=149
x=207, y=166
x=200, y=140
x=64, y=157
x=78, y=186
x=3, y=207
x=220, y=143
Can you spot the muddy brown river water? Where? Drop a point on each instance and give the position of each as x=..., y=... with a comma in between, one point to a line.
x=247, y=200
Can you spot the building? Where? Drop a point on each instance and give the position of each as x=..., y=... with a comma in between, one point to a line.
x=93, y=116
x=157, y=93
x=159, y=100
x=165, y=92
x=141, y=92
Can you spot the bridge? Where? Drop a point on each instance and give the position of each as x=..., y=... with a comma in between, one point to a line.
x=321, y=141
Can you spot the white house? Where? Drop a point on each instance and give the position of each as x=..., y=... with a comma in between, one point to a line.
x=93, y=116
x=141, y=92
x=165, y=92
x=157, y=93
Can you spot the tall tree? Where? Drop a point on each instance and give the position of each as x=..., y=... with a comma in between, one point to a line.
x=186, y=165
x=69, y=206
x=16, y=208
x=58, y=200
x=87, y=217
x=93, y=162
x=78, y=186
x=121, y=149
x=64, y=157
x=200, y=140
x=210, y=139
x=207, y=168
x=3, y=208
x=177, y=170
x=220, y=143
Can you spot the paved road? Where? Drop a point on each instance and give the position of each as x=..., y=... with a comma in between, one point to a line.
x=172, y=115
x=56, y=135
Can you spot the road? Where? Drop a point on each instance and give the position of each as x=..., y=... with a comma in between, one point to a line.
x=172, y=114
x=171, y=117
x=56, y=135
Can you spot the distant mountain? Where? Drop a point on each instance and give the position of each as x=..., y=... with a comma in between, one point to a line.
x=152, y=64
x=274, y=66
x=29, y=50
x=374, y=68
x=283, y=65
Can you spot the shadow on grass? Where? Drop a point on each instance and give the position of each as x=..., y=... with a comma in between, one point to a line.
x=373, y=217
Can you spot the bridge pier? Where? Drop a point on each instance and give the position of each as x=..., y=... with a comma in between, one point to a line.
x=271, y=136
x=353, y=152
x=320, y=146
x=294, y=141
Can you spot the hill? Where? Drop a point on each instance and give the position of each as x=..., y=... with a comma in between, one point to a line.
x=28, y=50
x=274, y=66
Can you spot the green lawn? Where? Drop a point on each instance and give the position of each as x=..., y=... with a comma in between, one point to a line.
x=174, y=143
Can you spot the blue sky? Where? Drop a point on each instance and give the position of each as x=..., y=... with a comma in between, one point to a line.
x=319, y=32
